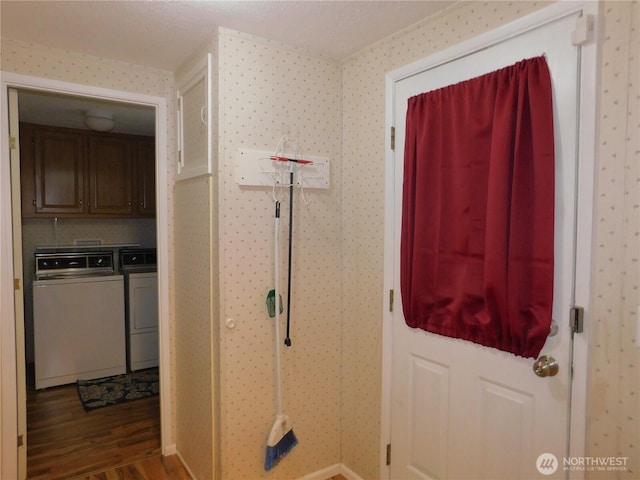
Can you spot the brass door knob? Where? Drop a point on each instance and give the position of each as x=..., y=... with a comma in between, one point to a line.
x=545, y=366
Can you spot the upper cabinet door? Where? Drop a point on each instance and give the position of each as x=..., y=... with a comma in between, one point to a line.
x=75, y=173
x=195, y=115
x=59, y=171
x=146, y=177
x=110, y=175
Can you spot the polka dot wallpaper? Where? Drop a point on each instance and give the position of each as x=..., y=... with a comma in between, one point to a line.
x=614, y=412
x=363, y=243
x=193, y=325
x=332, y=371
x=196, y=341
x=41, y=61
x=268, y=91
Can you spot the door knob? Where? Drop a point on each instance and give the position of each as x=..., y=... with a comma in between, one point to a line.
x=545, y=366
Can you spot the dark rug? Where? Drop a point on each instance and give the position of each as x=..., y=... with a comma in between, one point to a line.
x=103, y=392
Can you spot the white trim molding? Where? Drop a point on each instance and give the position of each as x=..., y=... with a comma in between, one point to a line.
x=8, y=374
x=332, y=471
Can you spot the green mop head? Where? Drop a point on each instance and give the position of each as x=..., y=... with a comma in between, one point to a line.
x=271, y=303
x=280, y=442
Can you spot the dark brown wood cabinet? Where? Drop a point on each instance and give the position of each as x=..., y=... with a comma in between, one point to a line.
x=110, y=167
x=76, y=173
x=145, y=177
x=59, y=172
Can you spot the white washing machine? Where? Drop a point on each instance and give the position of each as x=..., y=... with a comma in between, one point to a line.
x=79, y=324
x=141, y=306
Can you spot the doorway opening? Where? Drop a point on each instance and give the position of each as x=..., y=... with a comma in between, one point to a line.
x=57, y=441
x=54, y=104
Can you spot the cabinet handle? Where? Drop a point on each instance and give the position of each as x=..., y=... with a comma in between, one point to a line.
x=203, y=117
x=34, y=202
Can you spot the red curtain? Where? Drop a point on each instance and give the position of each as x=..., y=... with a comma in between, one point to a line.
x=478, y=209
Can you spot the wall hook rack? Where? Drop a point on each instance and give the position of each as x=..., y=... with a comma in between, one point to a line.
x=256, y=168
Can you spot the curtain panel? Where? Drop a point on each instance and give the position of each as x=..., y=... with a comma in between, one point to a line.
x=478, y=209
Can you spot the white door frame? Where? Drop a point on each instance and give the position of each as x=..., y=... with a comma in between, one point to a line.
x=584, y=202
x=8, y=376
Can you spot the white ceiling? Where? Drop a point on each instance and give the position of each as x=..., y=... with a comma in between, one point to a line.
x=67, y=111
x=163, y=34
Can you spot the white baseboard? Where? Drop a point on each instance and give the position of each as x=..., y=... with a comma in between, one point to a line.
x=337, y=469
x=169, y=450
x=324, y=474
x=348, y=473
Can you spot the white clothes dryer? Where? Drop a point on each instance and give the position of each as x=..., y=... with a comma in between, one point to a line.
x=141, y=306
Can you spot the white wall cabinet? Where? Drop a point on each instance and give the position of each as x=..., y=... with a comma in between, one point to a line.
x=195, y=121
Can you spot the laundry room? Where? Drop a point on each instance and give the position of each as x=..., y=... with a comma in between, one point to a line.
x=87, y=173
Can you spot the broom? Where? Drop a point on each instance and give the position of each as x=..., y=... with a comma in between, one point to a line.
x=281, y=438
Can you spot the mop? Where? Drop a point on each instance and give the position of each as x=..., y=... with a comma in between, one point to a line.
x=292, y=162
x=281, y=438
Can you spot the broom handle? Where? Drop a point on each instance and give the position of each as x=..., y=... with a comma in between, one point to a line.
x=276, y=274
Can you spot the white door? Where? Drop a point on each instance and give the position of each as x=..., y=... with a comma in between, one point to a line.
x=461, y=410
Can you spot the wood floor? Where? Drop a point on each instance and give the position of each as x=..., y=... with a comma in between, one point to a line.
x=152, y=468
x=65, y=441
x=120, y=442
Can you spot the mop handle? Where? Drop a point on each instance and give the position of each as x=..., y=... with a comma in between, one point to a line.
x=287, y=340
x=276, y=275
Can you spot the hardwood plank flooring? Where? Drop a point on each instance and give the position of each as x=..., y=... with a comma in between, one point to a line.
x=120, y=442
x=65, y=441
x=152, y=468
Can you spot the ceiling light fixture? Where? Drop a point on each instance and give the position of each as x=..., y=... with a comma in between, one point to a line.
x=98, y=120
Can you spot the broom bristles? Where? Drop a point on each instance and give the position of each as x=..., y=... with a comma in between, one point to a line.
x=280, y=442
x=280, y=449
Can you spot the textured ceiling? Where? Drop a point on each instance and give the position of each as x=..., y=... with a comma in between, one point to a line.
x=163, y=34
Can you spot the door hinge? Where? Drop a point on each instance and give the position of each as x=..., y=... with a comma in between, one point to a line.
x=391, y=300
x=16, y=284
x=393, y=138
x=20, y=440
x=388, y=454
x=576, y=316
x=13, y=143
